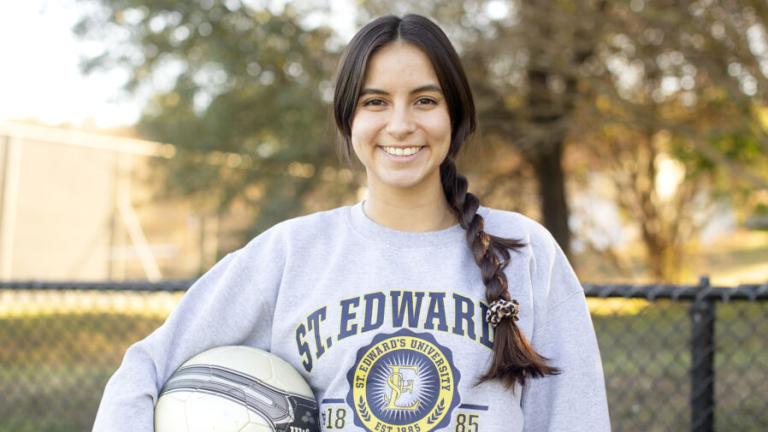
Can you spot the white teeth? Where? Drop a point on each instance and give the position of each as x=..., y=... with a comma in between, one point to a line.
x=401, y=151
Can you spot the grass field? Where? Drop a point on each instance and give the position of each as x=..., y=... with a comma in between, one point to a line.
x=53, y=366
x=646, y=361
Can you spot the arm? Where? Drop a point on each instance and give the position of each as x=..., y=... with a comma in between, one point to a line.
x=575, y=400
x=231, y=304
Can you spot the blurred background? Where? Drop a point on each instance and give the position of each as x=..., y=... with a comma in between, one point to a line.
x=143, y=140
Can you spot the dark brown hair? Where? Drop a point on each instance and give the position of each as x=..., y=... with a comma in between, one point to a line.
x=514, y=359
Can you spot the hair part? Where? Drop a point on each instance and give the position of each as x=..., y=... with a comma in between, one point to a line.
x=514, y=359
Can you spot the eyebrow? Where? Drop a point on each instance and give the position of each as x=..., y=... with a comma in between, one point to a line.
x=424, y=88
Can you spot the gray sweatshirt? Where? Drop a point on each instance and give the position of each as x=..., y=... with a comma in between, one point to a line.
x=386, y=326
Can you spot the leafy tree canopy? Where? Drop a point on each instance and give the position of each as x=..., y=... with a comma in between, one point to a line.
x=241, y=90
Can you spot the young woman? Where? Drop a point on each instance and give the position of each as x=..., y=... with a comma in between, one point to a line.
x=415, y=309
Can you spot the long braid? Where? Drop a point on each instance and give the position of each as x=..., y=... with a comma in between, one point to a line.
x=514, y=359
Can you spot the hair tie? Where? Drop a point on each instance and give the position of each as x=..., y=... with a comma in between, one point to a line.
x=500, y=309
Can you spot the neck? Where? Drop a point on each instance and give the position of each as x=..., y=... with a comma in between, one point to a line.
x=409, y=211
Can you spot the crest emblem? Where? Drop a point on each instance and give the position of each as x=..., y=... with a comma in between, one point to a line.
x=403, y=381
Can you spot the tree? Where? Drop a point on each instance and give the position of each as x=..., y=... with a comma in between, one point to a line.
x=245, y=100
x=665, y=97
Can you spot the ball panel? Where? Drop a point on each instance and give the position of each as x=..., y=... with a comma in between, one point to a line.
x=213, y=413
x=257, y=363
x=170, y=414
x=247, y=360
x=235, y=389
x=258, y=421
x=252, y=427
x=286, y=377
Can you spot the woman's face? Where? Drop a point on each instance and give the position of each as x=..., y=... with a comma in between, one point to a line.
x=401, y=129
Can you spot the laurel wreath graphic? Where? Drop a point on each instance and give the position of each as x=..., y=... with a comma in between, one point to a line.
x=364, y=414
x=435, y=416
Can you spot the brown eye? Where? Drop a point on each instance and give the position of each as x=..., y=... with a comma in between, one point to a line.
x=373, y=102
x=426, y=101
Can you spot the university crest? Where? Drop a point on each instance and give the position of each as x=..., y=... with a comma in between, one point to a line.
x=403, y=382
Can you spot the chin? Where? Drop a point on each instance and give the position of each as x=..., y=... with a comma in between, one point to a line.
x=402, y=183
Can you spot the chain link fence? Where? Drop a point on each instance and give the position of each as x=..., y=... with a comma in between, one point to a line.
x=676, y=358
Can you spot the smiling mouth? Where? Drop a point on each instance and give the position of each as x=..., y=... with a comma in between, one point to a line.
x=402, y=151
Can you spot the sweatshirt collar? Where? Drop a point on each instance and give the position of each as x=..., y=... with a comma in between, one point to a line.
x=376, y=232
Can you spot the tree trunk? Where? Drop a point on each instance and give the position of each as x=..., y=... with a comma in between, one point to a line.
x=554, y=204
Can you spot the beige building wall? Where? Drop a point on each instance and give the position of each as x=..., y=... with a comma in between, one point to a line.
x=77, y=206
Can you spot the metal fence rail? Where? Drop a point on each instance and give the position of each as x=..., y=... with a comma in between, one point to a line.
x=676, y=358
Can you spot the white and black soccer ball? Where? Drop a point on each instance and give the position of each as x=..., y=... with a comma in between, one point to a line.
x=236, y=389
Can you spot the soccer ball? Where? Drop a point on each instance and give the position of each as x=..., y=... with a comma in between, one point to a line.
x=236, y=389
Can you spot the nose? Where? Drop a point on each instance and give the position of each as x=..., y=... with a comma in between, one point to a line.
x=400, y=123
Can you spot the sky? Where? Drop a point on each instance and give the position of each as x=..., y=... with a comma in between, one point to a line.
x=40, y=77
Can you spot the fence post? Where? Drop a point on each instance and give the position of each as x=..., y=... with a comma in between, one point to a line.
x=702, y=313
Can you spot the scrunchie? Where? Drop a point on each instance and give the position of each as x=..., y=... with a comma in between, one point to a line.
x=501, y=309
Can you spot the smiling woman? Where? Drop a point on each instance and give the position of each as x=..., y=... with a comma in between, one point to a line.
x=401, y=311
x=404, y=62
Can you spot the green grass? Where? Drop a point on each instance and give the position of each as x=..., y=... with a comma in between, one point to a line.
x=646, y=361
x=53, y=368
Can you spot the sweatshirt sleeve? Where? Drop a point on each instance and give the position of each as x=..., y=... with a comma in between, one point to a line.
x=575, y=400
x=232, y=304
